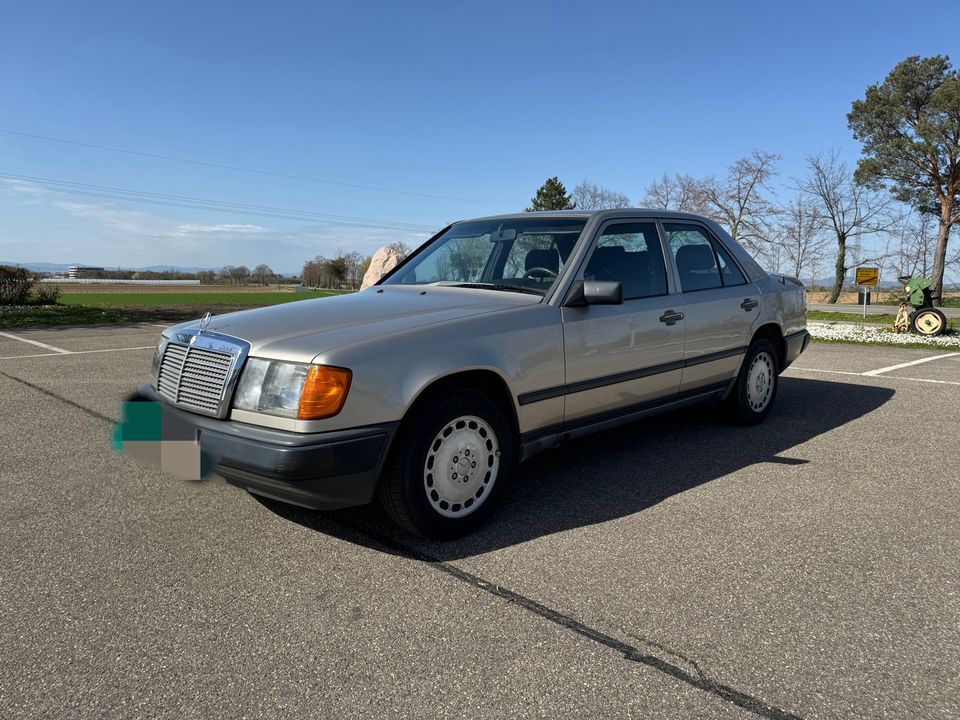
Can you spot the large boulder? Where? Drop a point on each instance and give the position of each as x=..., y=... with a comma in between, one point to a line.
x=384, y=260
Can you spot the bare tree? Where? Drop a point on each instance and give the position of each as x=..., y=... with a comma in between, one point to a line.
x=800, y=234
x=681, y=192
x=590, y=196
x=917, y=237
x=262, y=273
x=849, y=210
x=401, y=247
x=353, y=261
x=239, y=274
x=737, y=201
x=313, y=271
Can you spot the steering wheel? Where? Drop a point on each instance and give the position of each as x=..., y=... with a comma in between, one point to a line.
x=541, y=271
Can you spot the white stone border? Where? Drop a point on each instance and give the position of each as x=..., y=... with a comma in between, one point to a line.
x=851, y=332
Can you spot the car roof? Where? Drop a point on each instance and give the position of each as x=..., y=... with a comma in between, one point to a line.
x=586, y=214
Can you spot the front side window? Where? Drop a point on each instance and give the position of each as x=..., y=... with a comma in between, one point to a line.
x=521, y=255
x=630, y=253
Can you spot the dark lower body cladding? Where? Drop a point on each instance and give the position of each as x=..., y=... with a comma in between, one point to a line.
x=323, y=471
x=795, y=344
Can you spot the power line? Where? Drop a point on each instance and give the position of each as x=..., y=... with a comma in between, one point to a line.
x=238, y=168
x=186, y=201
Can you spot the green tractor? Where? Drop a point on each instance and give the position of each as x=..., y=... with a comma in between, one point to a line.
x=916, y=313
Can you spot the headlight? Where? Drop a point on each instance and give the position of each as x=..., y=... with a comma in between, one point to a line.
x=292, y=390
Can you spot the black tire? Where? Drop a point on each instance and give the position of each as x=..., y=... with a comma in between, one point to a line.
x=750, y=405
x=404, y=492
x=928, y=322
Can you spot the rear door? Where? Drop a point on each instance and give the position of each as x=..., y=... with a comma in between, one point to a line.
x=720, y=305
x=620, y=356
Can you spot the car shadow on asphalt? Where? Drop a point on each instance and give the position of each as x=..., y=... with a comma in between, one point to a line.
x=619, y=472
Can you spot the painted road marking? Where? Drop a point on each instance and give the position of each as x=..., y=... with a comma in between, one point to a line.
x=909, y=364
x=870, y=374
x=37, y=343
x=77, y=352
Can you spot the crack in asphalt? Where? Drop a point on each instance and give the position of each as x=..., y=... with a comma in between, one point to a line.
x=698, y=680
x=68, y=401
x=630, y=652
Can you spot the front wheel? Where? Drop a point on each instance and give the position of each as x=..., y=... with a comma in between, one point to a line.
x=756, y=385
x=450, y=464
x=928, y=321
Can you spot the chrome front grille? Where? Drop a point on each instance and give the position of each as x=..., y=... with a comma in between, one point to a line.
x=193, y=377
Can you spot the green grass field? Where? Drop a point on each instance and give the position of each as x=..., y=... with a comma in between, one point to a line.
x=213, y=299
x=124, y=307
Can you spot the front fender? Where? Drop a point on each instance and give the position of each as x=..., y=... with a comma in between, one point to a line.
x=522, y=346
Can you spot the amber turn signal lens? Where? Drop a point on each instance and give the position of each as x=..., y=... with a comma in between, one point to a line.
x=324, y=392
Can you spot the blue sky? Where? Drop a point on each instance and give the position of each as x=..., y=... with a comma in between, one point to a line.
x=471, y=106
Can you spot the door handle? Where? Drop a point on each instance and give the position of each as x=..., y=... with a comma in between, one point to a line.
x=749, y=304
x=670, y=317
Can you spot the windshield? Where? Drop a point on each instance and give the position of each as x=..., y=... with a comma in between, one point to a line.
x=521, y=255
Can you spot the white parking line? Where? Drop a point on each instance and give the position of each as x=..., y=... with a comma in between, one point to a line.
x=77, y=352
x=38, y=344
x=908, y=364
x=870, y=374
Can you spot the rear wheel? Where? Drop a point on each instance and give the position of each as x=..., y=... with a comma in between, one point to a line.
x=928, y=321
x=756, y=385
x=450, y=464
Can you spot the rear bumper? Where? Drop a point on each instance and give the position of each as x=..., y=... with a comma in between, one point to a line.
x=325, y=471
x=796, y=343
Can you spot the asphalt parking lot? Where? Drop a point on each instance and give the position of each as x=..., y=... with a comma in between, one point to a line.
x=679, y=567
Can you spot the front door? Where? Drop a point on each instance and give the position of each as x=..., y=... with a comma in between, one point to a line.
x=622, y=356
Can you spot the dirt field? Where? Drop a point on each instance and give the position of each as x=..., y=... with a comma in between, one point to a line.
x=76, y=288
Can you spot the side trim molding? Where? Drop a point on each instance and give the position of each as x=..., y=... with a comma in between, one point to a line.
x=604, y=380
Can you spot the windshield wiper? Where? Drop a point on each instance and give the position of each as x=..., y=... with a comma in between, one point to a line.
x=497, y=286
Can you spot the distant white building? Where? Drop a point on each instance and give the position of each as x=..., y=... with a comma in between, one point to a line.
x=74, y=270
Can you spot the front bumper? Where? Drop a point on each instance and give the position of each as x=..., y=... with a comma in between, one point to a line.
x=323, y=471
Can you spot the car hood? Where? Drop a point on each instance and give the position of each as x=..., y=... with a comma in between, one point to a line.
x=299, y=331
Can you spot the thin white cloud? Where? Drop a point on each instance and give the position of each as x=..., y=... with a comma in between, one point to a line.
x=22, y=187
x=101, y=233
x=241, y=229
x=134, y=222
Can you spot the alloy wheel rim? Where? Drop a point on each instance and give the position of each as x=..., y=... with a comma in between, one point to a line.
x=461, y=466
x=760, y=382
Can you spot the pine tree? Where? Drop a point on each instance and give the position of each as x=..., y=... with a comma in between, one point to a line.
x=552, y=195
x=910, y=129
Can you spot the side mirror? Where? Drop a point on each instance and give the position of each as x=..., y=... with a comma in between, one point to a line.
x=594, y=292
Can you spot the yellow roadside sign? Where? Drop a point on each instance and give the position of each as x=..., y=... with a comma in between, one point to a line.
x=868, y=276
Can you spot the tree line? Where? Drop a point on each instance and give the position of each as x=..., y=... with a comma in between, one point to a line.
x=895, y=209
x=344, y=270
x=227, y=275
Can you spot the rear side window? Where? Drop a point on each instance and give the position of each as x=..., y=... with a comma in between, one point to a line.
x=701, y=263
x=728, y=268
x=630, y=253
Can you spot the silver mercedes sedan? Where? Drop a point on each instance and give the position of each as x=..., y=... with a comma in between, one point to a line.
x=497, y=339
